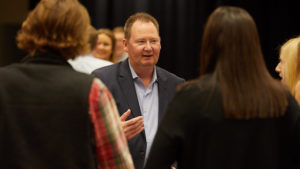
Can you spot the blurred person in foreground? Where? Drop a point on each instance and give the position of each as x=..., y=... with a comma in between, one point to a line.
x=139, y=85
x=289, y=66
x=88, y=63
x=52, y=116
x=235, y=116
x=119, y=53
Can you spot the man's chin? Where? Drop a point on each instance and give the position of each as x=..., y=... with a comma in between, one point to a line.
x=148, y=64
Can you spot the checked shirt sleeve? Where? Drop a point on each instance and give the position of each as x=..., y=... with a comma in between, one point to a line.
x=111, y=144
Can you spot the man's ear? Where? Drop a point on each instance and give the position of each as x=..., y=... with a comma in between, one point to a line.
x=125, y=44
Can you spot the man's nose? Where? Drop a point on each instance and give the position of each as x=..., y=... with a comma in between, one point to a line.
x=148, y=45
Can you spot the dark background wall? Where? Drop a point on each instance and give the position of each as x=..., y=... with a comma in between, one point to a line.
x=12, y=13
x=181, y=26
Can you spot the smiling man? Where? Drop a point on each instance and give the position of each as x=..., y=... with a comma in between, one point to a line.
x=139, y=86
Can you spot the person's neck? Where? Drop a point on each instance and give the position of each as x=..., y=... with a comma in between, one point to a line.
x=146, y=74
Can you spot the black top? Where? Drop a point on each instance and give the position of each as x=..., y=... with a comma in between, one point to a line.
x=44, y=120
x=195, y=133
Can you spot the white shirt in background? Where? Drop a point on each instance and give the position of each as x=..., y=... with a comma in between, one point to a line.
x=88, y=63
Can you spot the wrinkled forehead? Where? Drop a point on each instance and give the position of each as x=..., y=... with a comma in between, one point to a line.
x=144, y=30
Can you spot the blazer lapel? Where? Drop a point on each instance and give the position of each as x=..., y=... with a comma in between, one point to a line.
x=128, y=89
x=162, y=92
x=127, y=86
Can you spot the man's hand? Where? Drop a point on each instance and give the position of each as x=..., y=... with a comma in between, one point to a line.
x=133, y=126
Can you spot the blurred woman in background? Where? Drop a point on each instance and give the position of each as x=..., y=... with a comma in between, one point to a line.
x=289, y=66
x=105, y=45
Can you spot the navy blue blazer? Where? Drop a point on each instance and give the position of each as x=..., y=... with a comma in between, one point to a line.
x=118, y=79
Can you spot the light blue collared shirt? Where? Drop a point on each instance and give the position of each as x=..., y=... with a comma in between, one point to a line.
x=148, y=101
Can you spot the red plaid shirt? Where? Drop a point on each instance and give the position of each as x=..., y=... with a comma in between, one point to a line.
x=111, y=144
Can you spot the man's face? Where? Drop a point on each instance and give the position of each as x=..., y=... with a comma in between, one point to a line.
x=143, y=46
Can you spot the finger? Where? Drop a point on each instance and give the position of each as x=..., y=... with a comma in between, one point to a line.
x=132, y=126
x=134, y=121
x=133, y=132
x=125, y=115
x=135, y=128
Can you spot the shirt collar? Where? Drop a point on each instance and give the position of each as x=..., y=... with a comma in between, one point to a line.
x=135, y=76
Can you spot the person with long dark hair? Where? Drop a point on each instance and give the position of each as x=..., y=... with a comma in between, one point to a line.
x=235, y=115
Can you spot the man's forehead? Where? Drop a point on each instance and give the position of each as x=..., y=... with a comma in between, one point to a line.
x=141, y=22
x=143, y=27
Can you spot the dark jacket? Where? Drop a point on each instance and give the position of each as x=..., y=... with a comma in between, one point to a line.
x=118, y=79
x=44, y=120
x=195, y=133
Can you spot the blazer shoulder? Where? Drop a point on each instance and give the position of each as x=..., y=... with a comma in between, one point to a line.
x=110, y=74
x=166, y=75
x=104, y=69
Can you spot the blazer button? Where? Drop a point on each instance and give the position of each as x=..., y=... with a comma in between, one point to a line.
x=142, y=153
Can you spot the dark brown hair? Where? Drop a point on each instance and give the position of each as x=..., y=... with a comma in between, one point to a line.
x=231, y=49
x=140, y=16
x=59, y=25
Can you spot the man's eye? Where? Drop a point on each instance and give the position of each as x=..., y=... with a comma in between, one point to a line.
x=154, y=41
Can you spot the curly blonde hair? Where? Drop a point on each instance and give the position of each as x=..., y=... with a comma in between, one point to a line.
x=56, y=25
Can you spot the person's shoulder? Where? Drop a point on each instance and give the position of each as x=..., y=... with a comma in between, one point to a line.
x=7, y=70
x=89, y=59
x=196, y=93
x=79, y=59
x=106, y=70
x=162, y=73
x=204, y=84
x=100, y=61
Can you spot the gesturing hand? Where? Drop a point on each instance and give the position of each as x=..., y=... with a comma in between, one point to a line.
x=133, y=126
